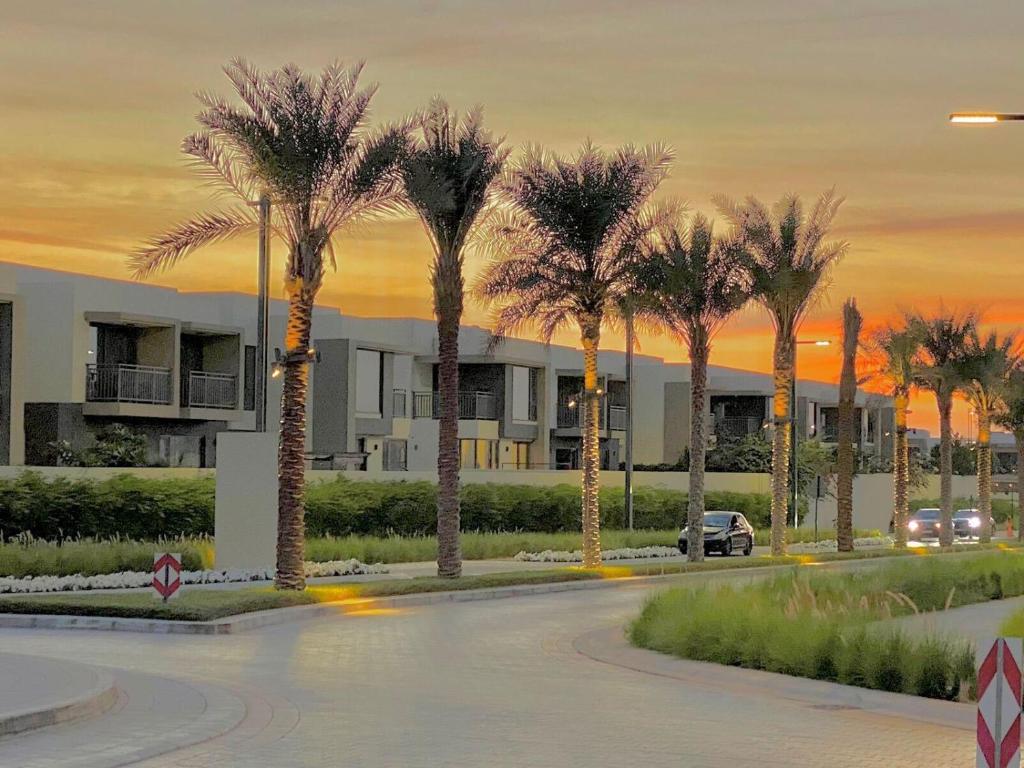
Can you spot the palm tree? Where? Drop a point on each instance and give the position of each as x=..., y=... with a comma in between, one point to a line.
x=1012, y=417
x=790, y=262
x=942, y=339
x=691, y=283
x=852, y=321
x=896, y=350
x=304, y=142
x=985, y=368
x=565, y=251
x=447, y=175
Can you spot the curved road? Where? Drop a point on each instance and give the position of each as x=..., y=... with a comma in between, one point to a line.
x=491, y=683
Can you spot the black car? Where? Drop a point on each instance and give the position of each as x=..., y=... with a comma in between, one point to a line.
x=967, y=524
x=725, y=533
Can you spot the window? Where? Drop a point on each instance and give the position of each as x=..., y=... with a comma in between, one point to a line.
x=478, y=454
x=395, y=453
x=249, y=383
x=524, y=393
x=521, y=455
x=369, y=380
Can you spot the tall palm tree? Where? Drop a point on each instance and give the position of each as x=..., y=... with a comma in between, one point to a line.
x=565, y=251
x=852, y=321
x=986, y=366
x=447, y=175
x=790, y=262
x=942, y=340
x=304, y=142
x=1012, y=418
x=691, y=283
x=896, y=351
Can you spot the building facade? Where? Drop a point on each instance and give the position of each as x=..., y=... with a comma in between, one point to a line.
x=78, y=354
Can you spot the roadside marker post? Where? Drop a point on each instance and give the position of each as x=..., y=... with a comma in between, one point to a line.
x=999, y=702
x=167, y=575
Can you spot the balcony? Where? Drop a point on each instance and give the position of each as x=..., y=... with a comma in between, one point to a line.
x=737, y=428
x=569, y=418
x=125, y=383
x=201, y=389
x=617, y=417
x=472, y=405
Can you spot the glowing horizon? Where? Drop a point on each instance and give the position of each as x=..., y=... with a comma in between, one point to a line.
x=98, y=96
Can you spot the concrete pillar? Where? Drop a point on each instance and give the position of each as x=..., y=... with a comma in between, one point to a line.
x=245, y=518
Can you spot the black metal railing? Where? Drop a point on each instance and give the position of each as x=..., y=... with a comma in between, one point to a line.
x=472, y=405
x=617, y=417
x=125, y=383
x=568, y=417
x=202, y=389
x=737, y=428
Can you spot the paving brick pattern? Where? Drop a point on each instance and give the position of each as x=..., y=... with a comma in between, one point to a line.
x=446, y=686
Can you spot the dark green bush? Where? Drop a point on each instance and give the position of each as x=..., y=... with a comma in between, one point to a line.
x=143, y=508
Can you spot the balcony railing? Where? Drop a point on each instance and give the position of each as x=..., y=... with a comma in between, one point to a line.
x=201, y=389
x=617, y=417
x=124, y=383
x=398, y=404
x=737, y=428
x=569, y=418
x=472, y=405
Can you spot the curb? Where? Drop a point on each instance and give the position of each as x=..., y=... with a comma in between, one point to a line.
x=610, y=646
x=95, y=701
x=257, y=619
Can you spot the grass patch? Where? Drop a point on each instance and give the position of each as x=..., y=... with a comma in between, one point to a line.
x=206, y=604
x=825, y=625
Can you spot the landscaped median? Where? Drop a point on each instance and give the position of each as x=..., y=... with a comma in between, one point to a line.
x=209, y=604
x=834, y=627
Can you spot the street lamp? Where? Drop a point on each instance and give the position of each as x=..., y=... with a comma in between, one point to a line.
x=793, y=427
x=984, y=118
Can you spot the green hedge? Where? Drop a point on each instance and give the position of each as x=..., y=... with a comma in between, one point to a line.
x=140, y=508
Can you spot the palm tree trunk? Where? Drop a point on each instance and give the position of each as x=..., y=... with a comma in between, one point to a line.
x=591, y=337
x=1018, y=437
x=292, y=445
x=781, y=439
x=448, y=293
x=699, y=353
x=844, y=458
x=985, y=475
x=945, y=402
x=900, y=469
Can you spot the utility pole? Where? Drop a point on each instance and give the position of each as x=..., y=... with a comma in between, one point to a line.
x=629, y=420
x=262, y=313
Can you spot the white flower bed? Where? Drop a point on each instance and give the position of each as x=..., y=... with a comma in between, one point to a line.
x=128, y=579
x=628, y=553
x=831, y=545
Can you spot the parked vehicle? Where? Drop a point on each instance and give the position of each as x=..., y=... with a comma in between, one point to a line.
x=725, y=533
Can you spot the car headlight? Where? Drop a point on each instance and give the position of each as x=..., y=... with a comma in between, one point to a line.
x=913, y=525
x=974, y=522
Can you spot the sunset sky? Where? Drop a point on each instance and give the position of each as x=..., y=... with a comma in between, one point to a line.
x=756, y=98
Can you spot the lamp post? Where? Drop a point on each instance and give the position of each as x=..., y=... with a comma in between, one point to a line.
x=262, y=313
x=795, y=464
x=628, y=490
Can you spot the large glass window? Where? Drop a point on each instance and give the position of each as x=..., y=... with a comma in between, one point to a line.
x=369, y=379
x=524, y=393
x=478, y=454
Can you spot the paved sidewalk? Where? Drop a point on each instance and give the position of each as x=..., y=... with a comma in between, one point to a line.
x=971, y=622
x=36, y=692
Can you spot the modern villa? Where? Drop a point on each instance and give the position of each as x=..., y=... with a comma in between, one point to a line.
x=79, y=353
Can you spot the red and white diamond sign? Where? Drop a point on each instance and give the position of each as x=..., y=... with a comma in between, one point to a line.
x=999, y=703
x=166, y=575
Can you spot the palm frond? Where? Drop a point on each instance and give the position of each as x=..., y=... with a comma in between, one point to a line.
x=166, y=250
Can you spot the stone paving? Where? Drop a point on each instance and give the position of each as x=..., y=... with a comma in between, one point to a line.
x=494, y=683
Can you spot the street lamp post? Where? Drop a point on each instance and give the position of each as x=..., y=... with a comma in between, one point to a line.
x=262, y=313
x=629, y=422
x=793, y=412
